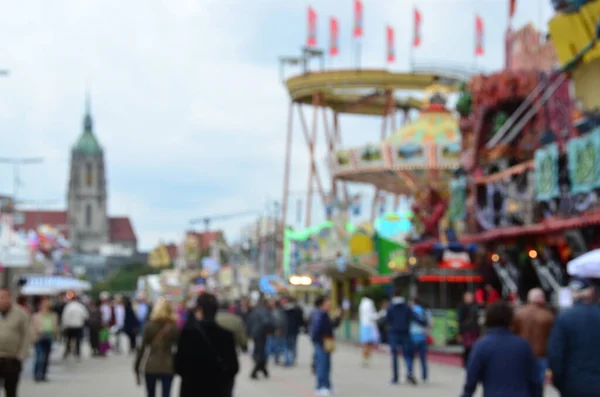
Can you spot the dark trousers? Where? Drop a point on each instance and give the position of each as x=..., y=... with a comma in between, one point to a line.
x=260, y=365
x=291, y=349
x=10, y=371
x=165, y=380
x=73, y=336
x=400, y=342
x=420, y=348
x=132, y=340
x=43, y=348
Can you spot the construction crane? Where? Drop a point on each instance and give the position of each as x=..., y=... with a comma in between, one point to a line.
x=207, y=220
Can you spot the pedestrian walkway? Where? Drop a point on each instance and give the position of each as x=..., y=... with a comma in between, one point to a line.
x=113, y=376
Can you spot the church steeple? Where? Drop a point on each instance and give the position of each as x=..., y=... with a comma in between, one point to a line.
x=87, y=142
x=88, y=122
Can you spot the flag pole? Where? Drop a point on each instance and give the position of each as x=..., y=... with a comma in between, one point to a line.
x=358, y=52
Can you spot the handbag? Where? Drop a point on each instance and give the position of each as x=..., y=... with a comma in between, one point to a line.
x=329, y=345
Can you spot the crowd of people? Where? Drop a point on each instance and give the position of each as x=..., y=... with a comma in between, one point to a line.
x=509, y=350
x=518, y=348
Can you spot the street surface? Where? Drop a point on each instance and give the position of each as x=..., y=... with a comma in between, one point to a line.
x=113, y=376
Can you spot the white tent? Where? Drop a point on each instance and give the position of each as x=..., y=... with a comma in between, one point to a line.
x=51, y=285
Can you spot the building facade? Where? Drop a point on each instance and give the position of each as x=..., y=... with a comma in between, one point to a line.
x=86, y=222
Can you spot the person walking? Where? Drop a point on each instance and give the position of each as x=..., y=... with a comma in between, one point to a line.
x=399, y=316
x=324, y=344
x=118, y=328
x=468, y=325
x=418, y=337
x=573, y=348
x=131, y=325
x=277, y=345
x=234, y=324
x=206, y=356
x=369, y=335
x=142, y=311
x=15, y=341
x=533, y=322
x=95, y=326
x=159, y=339
x=46, y=330
x=260, y=326
x=74, y=318
x=501, y=361
x=294, y=321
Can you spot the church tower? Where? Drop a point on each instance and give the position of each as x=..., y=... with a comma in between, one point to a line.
x=87, y=199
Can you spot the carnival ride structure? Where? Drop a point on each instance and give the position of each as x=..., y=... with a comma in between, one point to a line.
x=391, y=165
x=528, y=193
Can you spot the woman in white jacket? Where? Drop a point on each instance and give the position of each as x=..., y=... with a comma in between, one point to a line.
x=369, y=335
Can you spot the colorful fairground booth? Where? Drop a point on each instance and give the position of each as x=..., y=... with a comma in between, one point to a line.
x=424, y=257
x=336, y=249
x=527, y=193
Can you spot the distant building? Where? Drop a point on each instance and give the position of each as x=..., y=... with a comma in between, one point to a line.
x=86, y=222
x=527, y=50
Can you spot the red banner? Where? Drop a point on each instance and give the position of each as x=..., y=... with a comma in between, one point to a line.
x=358, y=18
x=479, y=36
x=417, y=28
x=311, y=40
x=334, y=34
x=512, y=8
x=391, y=54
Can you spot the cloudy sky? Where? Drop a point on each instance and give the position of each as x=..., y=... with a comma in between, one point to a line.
x=186, y=94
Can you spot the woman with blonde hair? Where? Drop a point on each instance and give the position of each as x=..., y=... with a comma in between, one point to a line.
x=160, y=338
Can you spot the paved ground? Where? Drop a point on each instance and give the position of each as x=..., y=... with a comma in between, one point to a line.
x=113, y=376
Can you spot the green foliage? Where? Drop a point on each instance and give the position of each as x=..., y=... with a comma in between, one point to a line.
x=464, y=103
x=124, y=279
x=499, y=120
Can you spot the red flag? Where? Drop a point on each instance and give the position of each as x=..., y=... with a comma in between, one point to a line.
x=391, y=54
x=334, y=33
x=478, y=36
x=512, y=8
x=417, y=28
x=311, y=40
x=358, y=18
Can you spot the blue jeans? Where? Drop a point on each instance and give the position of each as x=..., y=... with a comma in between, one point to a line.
x=153, y=379
x=420, y=347
x=400, y=341
x=291, y=347
x=275, y=346
x=323, y=367
x=543, y=366
x=43, y=347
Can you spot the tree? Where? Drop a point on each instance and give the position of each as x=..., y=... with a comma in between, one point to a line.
x=125, y=278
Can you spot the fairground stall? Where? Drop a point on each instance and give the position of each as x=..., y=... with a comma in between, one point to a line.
x=531, y=170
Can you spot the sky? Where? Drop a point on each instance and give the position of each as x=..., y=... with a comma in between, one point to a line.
x=187, y=98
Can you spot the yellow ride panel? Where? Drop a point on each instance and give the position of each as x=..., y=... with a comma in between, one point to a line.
x=339, y=88
x=572, y=32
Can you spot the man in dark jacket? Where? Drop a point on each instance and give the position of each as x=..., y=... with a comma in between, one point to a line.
x=501, y=361
x=294, y=322
x=260, y=326
x=206, y=356
x=573, y=347
x=398, y=318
